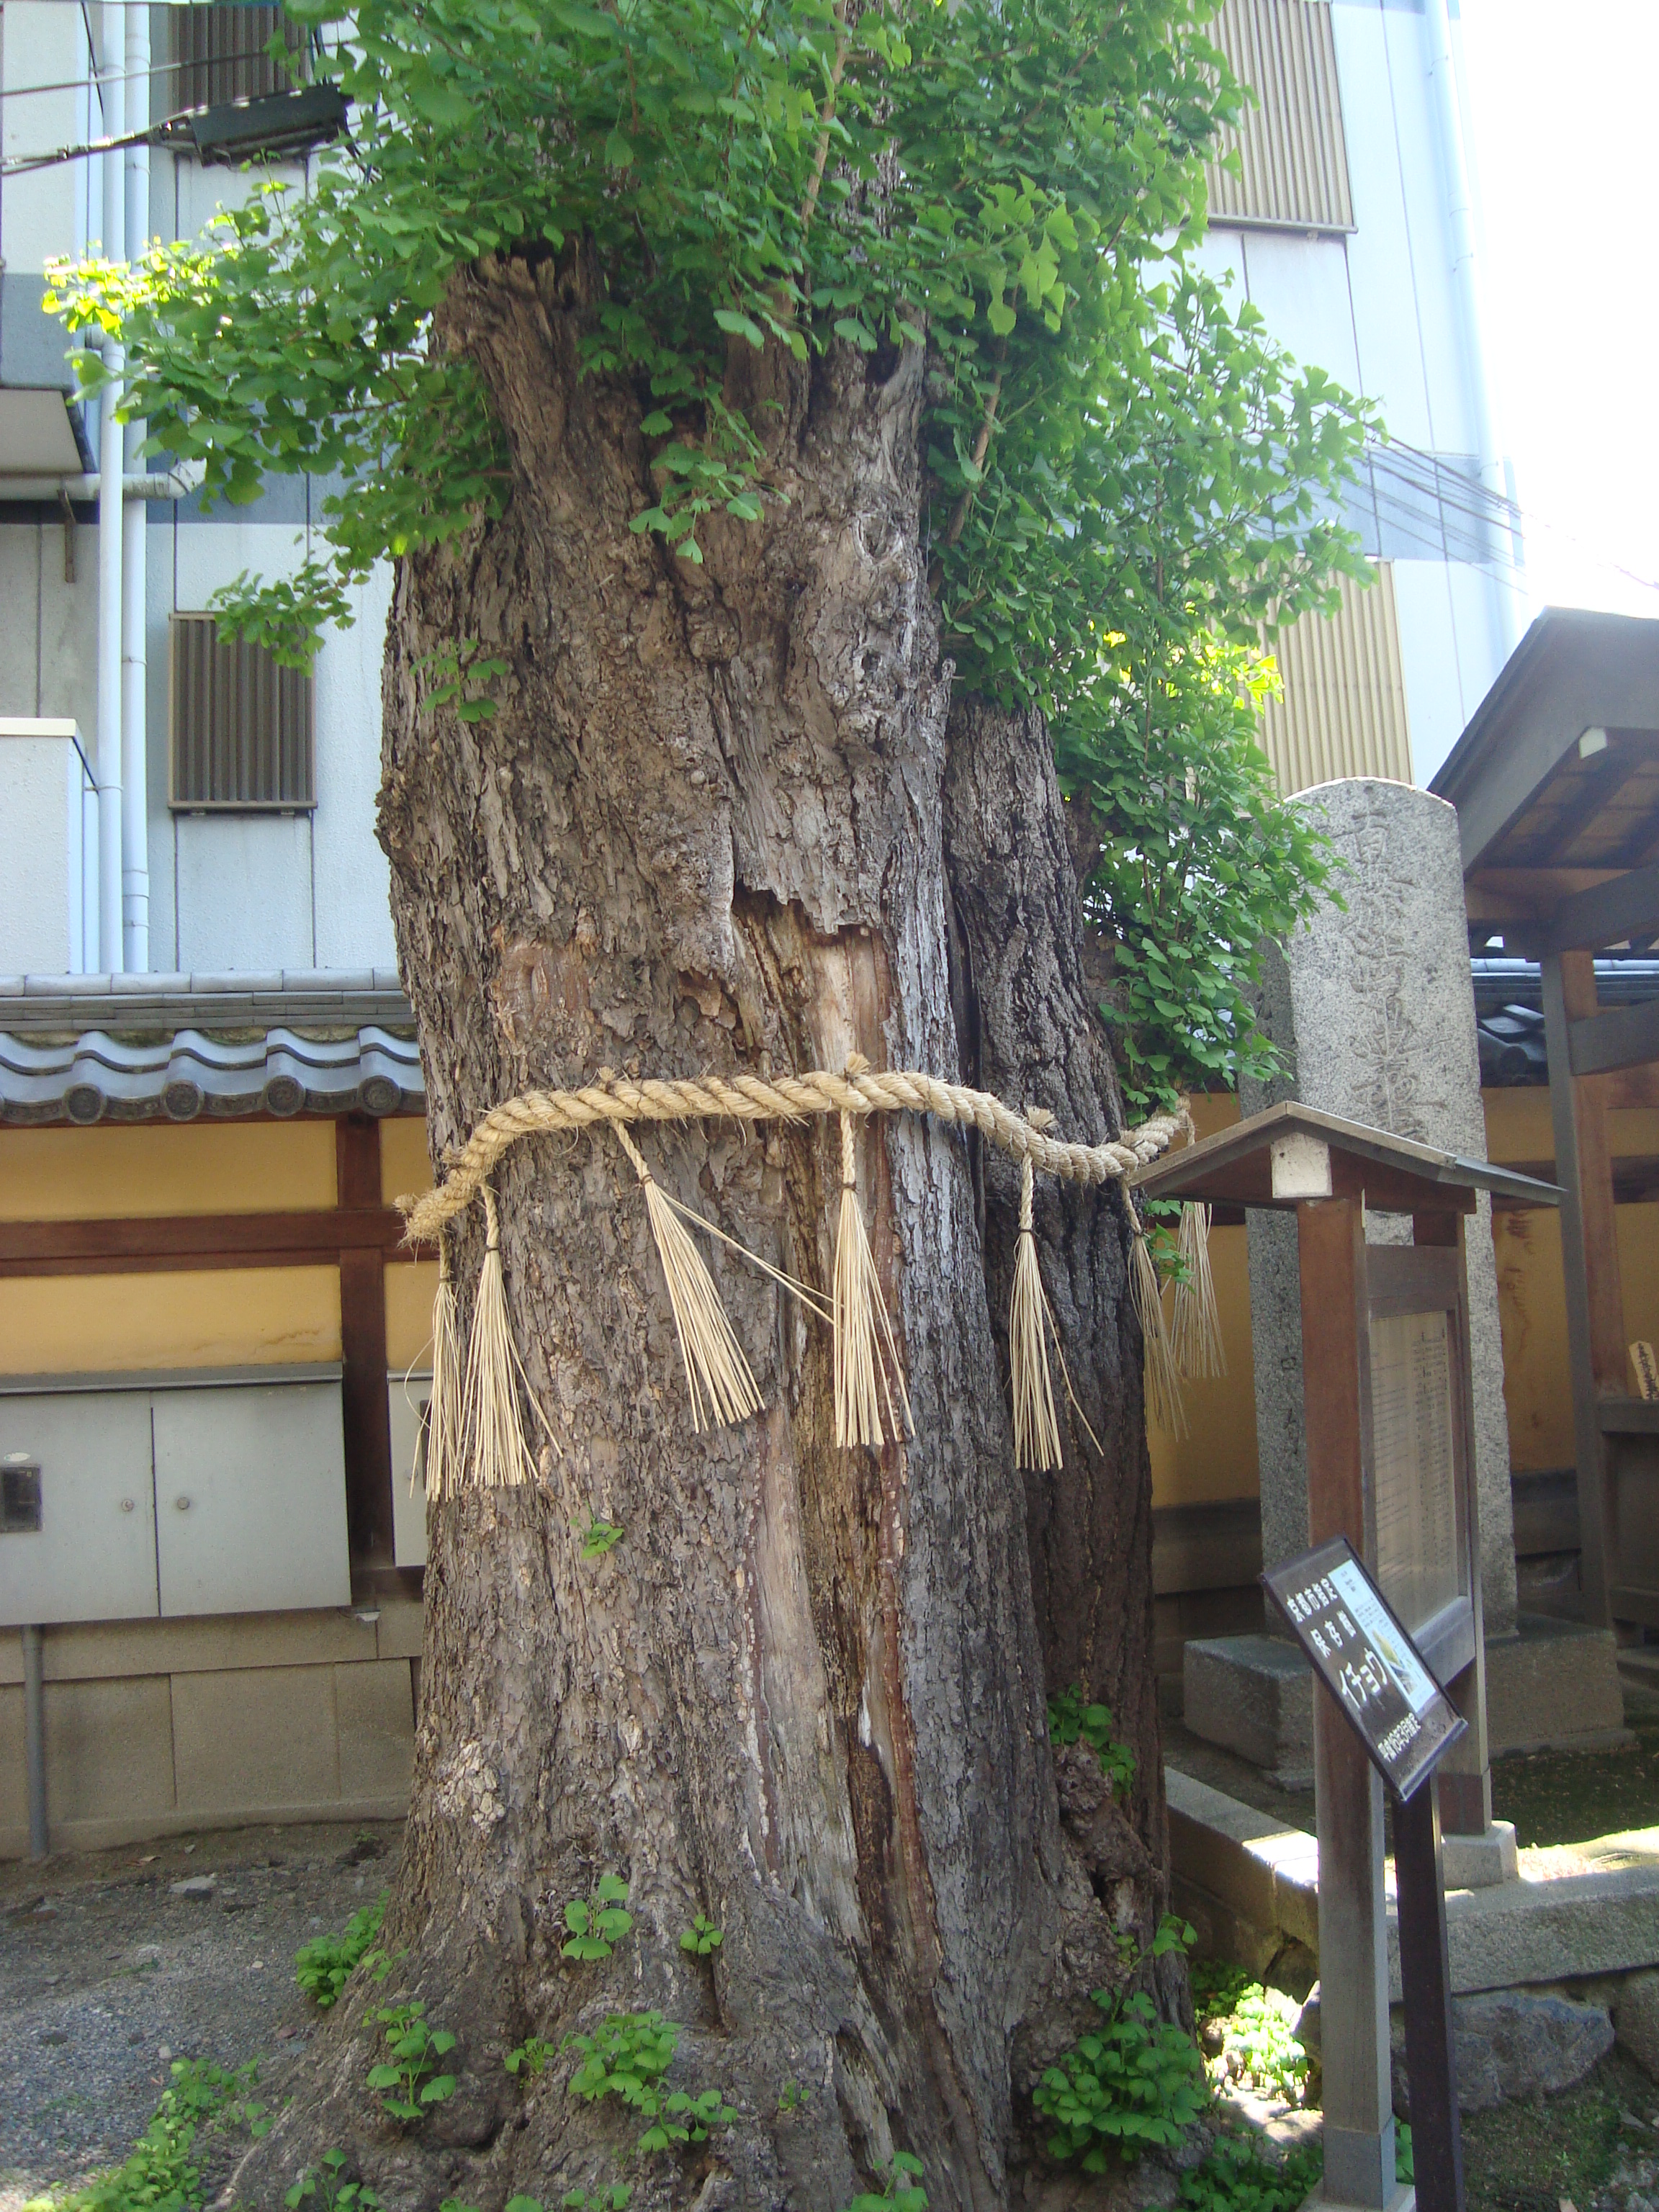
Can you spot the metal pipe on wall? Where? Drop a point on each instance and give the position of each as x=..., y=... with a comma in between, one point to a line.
x=110, y=532
x=135, y=612
x=34, y=1741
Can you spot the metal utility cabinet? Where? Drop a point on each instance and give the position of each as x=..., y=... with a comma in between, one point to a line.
x=163, y=1496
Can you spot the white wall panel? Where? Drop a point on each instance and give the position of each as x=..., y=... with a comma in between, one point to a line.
x=243, y=893
x=408, y=1397
x=1380, y=273
x=41, y=212
x=93, y=1557
x=1477, y=616
x=20, y=596
x=1427, y=235
x=1220, y=254
x=353, y=895
x=1436, y=686
x=1301, y=286
x=68, y=627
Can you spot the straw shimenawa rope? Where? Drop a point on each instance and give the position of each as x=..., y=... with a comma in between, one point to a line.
x=865, y=1351
x=617, y=1100
x=1036, y=1430
x=722, y=1387
x=475, y=1436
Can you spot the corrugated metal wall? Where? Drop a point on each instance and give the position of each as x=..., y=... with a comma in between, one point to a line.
x=1343, y=708
x=218, y=52
x=1294, y=159
x=242, y=725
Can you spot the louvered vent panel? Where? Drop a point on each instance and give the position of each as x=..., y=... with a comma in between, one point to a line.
x=219, y=53
x=1293, y=159
x=1343, y=708
x=242, y=728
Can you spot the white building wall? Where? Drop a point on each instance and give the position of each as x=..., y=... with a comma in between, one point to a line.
x=1378, y=309
x=227, y=892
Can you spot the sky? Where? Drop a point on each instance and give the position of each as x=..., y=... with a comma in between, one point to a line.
x=1561, y=110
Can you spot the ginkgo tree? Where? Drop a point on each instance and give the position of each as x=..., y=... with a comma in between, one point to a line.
x=830, y=507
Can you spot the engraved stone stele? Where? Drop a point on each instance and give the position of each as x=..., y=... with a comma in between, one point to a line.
x=1372, y=1008
x=1373, y=1012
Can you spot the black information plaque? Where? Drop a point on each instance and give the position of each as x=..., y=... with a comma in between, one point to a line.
x=1367, y=1663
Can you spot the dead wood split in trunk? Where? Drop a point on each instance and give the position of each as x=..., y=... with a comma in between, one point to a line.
x=716, y=824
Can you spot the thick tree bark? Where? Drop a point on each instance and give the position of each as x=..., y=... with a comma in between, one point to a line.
x=709, y=829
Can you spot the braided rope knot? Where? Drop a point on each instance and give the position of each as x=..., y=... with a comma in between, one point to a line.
x=618, y=1100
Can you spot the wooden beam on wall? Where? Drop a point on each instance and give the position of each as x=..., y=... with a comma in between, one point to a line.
x=165, y=1243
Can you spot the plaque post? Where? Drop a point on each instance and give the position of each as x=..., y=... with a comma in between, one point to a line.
x=1425, y=1984
x=1353, y=1942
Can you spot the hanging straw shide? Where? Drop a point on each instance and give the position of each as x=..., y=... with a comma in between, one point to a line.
x=716, y=1373
x=1196, y=1324
x=446, y=1436
x=1163, y=1405
x=864, y=1358
x=490, y=1406
x=1036, y=1431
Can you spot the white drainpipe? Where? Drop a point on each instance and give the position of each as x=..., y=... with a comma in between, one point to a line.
x=1466, y=290
x=135, y=761
x=111, y=455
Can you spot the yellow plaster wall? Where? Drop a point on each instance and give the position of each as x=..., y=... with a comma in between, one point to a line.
x=404, y=1166
x=1531, y=1313
x=218, y=1317
x=1217, y=1458
x=411, y=1287
x=148, y=1168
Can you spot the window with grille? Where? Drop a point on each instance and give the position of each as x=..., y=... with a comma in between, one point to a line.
x=242, y=732
x=1292, y=156
x=219, y=53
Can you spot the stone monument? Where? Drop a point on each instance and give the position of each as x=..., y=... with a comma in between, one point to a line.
x=1372, y=1008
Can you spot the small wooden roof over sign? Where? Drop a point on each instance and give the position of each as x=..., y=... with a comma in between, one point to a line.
x=1291, y=1152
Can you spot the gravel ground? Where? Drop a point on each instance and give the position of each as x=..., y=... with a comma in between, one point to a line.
x=106, y=1974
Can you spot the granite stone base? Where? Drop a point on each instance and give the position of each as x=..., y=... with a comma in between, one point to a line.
x=1554, y=1686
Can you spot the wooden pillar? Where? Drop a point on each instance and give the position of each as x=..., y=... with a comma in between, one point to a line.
x=1353, y=1956
x=1589, y=1259
x=365, y=1410
x=1464, y=1775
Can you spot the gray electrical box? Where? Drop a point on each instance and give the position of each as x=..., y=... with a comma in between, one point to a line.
x=408, y=1397
x=162, y=1495
x=249, y=1499
x=93, y=1556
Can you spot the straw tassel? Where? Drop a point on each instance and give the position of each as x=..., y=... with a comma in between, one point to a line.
x=1036, y=1431
x=1195, y=1325
x=446, y=1441
x=717, y=1375
x=489, y=1405
x=862, y=1357
x=1163, y=1405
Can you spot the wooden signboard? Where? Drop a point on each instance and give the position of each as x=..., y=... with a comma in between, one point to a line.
x=1368, y=1662
x=1391, y=1591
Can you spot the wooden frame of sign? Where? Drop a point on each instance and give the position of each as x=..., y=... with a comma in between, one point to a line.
x=1387, y=1322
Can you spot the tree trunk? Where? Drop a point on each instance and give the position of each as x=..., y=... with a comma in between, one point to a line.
x=719, y=823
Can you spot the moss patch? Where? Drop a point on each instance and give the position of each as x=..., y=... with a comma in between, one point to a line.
x=1527, y=2156
x=1571, y=1796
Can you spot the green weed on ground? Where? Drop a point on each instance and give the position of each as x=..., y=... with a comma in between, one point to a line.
x=159, y=2174
x=322, y=1967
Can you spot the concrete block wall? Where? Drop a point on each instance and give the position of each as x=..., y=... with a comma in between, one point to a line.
x=157, y=1727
